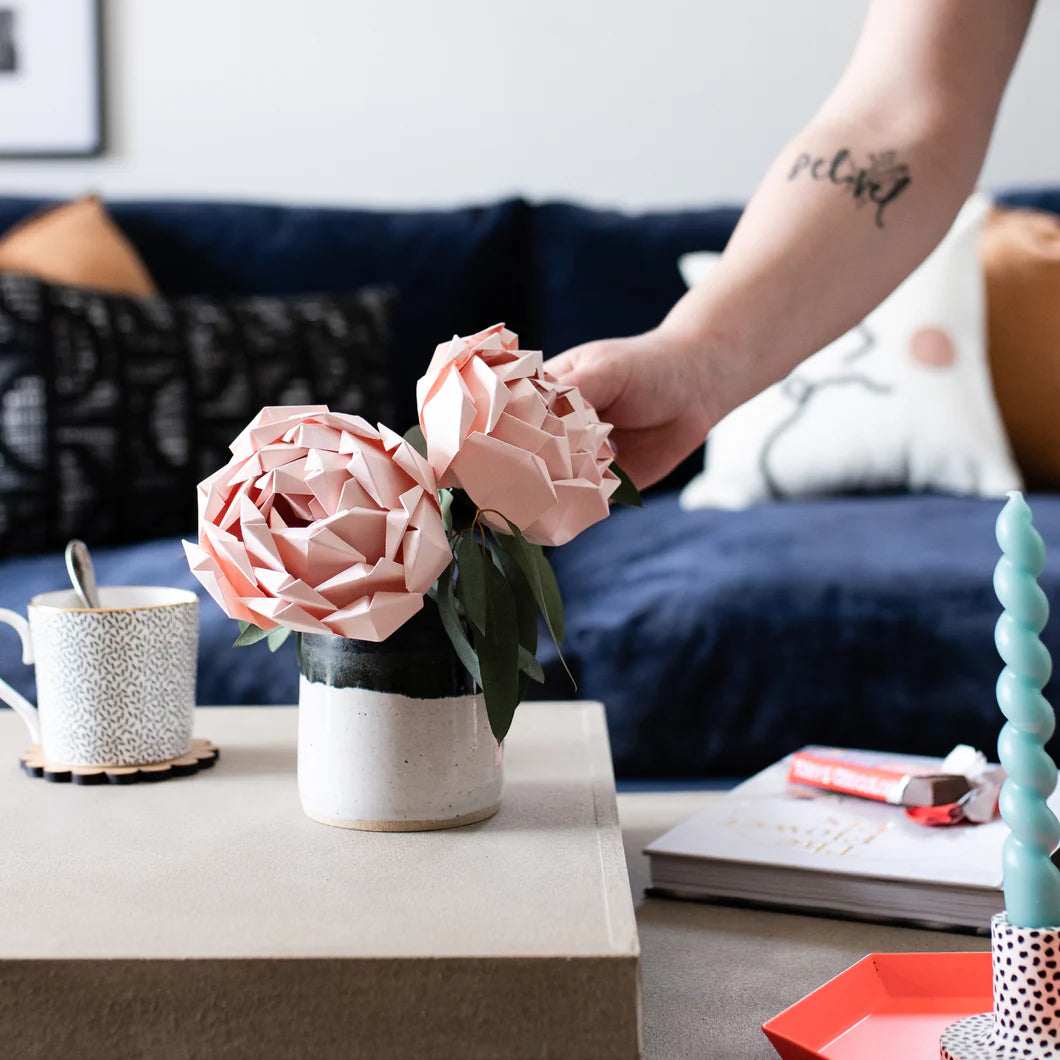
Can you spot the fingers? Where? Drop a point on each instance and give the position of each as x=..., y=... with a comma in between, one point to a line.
x=649, y=400
x=597, y=369
x=646, y=455
x=566, y=366
x=636, y=454
x=563, y=364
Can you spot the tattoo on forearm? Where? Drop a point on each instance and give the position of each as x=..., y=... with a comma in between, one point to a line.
x=879, y=183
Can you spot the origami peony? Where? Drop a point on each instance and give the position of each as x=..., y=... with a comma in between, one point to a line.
x=516, y=441
x=320, y=523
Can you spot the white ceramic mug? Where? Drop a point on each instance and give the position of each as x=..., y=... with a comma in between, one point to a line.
x=115, y=684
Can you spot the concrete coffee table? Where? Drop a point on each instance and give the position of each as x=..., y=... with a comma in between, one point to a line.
x=209, y=916
x=159, y=896
x=713, y=974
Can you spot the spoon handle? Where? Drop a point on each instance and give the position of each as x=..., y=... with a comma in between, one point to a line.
x=82, y=574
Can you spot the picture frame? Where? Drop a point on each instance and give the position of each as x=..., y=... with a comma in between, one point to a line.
x=51, y=78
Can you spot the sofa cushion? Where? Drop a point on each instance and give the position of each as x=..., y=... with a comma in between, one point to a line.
x=75, y=243
x=1043, y=198
x=113, y=408
x=901, y=401
x=454, y=271
x=721, y=640
x=602, y=273
x=1021, y=265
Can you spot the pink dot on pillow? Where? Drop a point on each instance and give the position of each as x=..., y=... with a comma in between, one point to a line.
x=933, y=348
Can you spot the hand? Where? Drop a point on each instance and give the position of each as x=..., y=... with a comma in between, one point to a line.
x=650, y=387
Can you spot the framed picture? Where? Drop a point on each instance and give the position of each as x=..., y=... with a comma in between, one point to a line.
x=51, y=84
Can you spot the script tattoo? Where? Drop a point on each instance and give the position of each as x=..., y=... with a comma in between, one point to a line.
x=879, y=183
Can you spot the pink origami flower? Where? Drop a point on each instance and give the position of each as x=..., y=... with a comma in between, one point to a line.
x=516, y=441
x=320, y=523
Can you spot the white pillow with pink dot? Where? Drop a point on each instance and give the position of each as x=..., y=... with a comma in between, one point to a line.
x=902, y=401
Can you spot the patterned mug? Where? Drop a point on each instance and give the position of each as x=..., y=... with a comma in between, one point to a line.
x=115, y=684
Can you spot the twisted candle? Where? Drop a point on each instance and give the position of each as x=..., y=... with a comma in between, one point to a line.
x=1031, y=880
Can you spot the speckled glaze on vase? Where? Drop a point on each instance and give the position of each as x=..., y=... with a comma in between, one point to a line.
x=392, y=737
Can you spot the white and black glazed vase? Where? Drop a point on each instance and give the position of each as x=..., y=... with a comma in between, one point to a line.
x=392, y=736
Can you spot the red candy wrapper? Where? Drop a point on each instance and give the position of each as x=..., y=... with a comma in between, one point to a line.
x=964, y=788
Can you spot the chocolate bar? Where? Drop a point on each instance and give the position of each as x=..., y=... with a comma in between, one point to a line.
x=852, y=777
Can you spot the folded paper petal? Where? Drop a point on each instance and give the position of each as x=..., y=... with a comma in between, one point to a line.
x=581, y=503
x=498, y=427
x=271, y=424
x=321, y=523
x=281, y=613
x=281, y=585
x=504, y=480
x=425, y=548
x=446, y=422
x=375, y=618
x=208, y=572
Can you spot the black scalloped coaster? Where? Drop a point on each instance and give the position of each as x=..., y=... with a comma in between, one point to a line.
x=201, y=755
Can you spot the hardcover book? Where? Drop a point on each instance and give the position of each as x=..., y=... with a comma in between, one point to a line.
x=768, y=842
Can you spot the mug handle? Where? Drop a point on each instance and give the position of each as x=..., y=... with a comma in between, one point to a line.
x=18, y=702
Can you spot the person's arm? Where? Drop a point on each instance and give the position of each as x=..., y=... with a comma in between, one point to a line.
x=848, y=209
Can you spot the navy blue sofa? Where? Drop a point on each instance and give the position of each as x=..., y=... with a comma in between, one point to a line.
x=718, y=641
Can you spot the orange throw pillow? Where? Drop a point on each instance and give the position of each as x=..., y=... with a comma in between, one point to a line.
x=76, y=244
x=1020, y=251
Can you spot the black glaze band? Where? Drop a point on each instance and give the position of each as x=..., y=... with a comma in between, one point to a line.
x=416, y=660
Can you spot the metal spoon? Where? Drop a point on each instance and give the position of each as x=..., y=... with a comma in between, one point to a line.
x=82, y=574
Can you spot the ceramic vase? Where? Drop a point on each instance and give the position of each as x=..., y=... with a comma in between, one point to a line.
x=392, y=736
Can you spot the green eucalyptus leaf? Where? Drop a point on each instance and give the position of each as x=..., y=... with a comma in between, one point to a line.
x=414, y=436
x=543, y=586
x=454, y=627
x=249, y=634
x=549, y=588
x=277, y=637
x=471, y=580
x=498, y=653
x=539, y=576
x=445, y=501
x=529, y=665
x=626, y=493
x=525, y=605
x=526, y=618
x=539, y=573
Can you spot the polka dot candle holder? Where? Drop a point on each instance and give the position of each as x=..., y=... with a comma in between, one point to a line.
x=1026, y=1017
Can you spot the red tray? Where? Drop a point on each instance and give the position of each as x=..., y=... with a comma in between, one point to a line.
x=886, y=1006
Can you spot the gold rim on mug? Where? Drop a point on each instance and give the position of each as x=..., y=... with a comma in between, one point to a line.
x=186, y=597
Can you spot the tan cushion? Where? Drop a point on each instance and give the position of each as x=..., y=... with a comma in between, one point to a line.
x=76, y=244
x=1020, y=251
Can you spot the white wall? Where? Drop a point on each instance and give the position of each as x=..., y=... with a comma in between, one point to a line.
x=630, y=102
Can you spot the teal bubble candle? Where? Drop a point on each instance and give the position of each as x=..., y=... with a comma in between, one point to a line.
x=1031, y=880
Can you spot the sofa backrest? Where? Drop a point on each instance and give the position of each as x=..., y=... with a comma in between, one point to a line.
x=455, y=271
x=557, y=273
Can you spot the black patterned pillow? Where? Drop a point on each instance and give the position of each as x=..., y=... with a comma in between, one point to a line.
x=113, y=408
